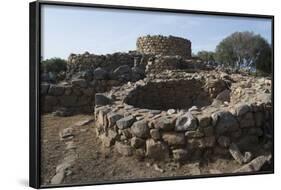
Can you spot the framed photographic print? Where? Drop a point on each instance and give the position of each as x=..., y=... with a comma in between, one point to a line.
x=131, y=94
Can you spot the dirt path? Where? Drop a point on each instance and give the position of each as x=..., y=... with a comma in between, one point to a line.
x=97, y=164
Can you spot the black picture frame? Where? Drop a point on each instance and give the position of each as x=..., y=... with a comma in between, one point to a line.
x=34, y=89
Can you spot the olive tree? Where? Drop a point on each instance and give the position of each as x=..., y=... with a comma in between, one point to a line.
x=245, y=50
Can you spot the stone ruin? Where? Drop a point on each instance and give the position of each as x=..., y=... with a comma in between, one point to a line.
x=162, y=45
x=159, y=102
x=88, y=74
x=180, y=117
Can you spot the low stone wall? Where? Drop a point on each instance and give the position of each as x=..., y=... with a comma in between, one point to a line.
x=164, y=95
x=77, y=96
x=224, y=129
x=163, y=45
x=87, y=75
x=109, y=62
x=185, y=135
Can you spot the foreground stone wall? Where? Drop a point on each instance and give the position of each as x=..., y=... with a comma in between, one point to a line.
x=181, y=137
x=230, y=129
x=184, y=135
x=163, y=45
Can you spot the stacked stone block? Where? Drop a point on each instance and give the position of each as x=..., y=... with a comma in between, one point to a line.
x=162, y=45
x=164, y=95
x=109, y=62
x=77, y=96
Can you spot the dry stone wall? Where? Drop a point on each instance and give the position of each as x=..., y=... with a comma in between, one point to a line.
x=77, y=96
x=161, y=63
x=88, y=74
x=228, y=129
x=163, y=45
x=166, y=95
x=86, y=60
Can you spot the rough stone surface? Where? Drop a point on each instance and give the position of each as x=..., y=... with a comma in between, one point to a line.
x=180, y=154
x=79, y=82
x=107, y=141
x=44, y=87
x=224, y=96
x=206, y=142
x=204, y=120
x=173, y=138
x=194, y=134
x=137, y=142
x=140, y=129
x=226, y=123
x=121, y=70
x=100, y=74
x=224, y=141
x=247, y=120
x=125, y=122
x=56, y=90
x=171, y=111
x=101, y=100
x=255, y=165
x=164, y=123
x=236, y=154
x=186, y=122
x=156, y=150
x=155, y=134
x=67, y=132
x=241, y=109
x=112, y=118
x=164, y=45
x=58, y=178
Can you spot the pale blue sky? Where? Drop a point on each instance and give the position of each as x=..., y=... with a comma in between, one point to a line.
x=68, y=30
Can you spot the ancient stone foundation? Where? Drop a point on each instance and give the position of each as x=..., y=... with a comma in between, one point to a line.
x=169, y=95
x=76, y=96
x=163, y=45
x=184, y=118
x=159, y=102
x=88, y=74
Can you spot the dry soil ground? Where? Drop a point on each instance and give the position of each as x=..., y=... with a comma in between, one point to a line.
x=97, y=164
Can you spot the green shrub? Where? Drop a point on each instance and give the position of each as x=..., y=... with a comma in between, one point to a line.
x=55, y=65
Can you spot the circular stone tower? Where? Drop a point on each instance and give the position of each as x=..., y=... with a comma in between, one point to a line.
x=164, y=45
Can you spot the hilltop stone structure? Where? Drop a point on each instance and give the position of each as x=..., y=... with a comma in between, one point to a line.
x=88, y=74
x=159, y=102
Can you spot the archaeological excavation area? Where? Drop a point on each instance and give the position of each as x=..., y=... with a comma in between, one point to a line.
x=153, y=112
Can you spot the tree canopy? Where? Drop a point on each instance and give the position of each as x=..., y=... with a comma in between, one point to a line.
x=55, y=65
x=207, y=56
x=245, y=50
